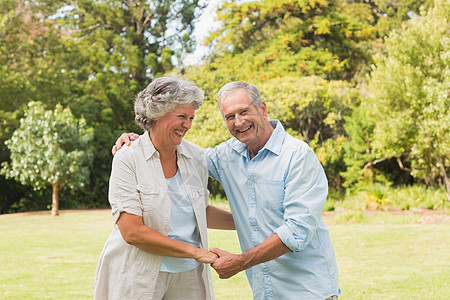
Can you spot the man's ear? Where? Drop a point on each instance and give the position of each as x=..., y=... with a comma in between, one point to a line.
x=263, y=107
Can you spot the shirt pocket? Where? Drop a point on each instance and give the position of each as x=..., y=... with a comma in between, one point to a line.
x=197, y=195
x=270, y=194
x=149, y=197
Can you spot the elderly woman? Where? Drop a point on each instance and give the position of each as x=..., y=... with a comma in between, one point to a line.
x=159, y=199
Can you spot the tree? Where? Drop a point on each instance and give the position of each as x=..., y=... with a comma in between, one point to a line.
x=115, y=48
x=29, y=69
x=409, y=97
x=94, y=55
x=385, y=15
x=360, y=157
x=271, y=39
x=50, y=147
x=120, y=46
x=313, y=109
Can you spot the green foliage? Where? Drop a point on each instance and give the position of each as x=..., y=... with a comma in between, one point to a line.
x=385, y=15
x=208, y=129
x=330, y=154
x=313, y=109
x=50, y=148
x=385, y=197
x=274, y=43
x=329, y=205
x=311, y=106
x=92, y=55
x=31, y=61
x=309, y=59
x=272, y=39
x=409, y=96
x=119, y=47
x=418, y=196
x=34, y=64
x=360, y=157
x=116, y=49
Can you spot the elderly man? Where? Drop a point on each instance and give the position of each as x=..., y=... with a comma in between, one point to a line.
x=276, y=189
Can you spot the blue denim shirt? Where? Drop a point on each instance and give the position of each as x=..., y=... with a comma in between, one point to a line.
x=281, y=190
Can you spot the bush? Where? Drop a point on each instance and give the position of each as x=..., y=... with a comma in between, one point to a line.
x=378, y=196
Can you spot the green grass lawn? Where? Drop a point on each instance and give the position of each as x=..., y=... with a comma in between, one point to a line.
x=383, y=257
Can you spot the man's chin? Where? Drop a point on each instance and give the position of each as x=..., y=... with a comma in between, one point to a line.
x=241, y=137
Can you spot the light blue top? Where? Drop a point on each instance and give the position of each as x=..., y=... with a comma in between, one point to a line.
x=281, y=190
x=183, y=226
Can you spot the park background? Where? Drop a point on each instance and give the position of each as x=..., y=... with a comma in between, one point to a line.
x=365, y=83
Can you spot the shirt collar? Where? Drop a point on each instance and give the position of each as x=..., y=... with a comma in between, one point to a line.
x=150, y=150
x=273, y=144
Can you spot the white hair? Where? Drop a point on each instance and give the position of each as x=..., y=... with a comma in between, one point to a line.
x=161, y=96
x=253, y=92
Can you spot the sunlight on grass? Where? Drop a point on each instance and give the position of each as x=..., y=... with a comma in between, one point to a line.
x=44, y=257
x=393, y=261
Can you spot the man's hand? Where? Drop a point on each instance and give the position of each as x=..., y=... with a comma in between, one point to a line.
x=125, y=138
x=227, y=265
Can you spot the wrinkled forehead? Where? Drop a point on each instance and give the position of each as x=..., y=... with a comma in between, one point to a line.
x=188, y=109
x=236, y=98
x=239, y=92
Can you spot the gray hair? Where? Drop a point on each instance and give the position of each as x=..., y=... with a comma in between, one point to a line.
x=253, y=92
x=161, y=96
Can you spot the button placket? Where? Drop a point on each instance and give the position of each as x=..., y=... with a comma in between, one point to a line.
x=254, y=225
x=252, y=204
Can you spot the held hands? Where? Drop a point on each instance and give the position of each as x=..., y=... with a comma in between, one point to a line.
x=206, y=257
x=228, y=264
x=125, y=138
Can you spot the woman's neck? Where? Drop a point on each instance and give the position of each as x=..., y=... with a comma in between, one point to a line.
x=167, y=156
x=161, y=147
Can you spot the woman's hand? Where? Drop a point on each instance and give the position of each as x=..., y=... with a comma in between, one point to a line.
x=205, y=256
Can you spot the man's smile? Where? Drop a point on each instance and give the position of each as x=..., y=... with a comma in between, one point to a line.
x=244, y=129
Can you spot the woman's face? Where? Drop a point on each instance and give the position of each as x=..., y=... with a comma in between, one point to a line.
x=173, y=126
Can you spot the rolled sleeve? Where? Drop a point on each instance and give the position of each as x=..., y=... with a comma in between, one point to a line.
x=305, y=194
x=123, y=192
x=288, y=238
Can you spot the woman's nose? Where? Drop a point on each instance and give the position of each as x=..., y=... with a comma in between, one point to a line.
x=187, y=124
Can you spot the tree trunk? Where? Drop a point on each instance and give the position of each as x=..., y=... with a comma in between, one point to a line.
x=447, y=185
x=55, y=199
x=444, y=175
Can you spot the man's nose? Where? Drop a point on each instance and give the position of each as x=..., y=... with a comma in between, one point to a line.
x=238, y=120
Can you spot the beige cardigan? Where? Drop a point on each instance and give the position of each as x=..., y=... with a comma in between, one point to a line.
x=137, y=186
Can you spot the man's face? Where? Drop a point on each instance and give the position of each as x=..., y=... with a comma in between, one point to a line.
x=244, y=120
